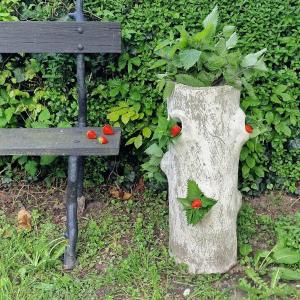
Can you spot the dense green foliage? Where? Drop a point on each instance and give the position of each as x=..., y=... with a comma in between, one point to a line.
x=40, y=90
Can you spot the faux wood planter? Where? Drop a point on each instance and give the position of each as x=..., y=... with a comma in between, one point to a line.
x=208, y=150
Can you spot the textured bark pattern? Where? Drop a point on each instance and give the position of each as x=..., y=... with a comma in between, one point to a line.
x=208, y=150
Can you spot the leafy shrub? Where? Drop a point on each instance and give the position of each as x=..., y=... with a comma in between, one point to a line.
x=207, y=58
x=123, y=88
x=7, y=10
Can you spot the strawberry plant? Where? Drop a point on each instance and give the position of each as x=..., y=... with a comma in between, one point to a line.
x=196, y=205
x=167, y=131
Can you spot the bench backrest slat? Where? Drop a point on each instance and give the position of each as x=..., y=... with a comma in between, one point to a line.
x=60, y=37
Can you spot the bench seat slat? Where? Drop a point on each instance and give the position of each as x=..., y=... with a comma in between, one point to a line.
x=56, y=141
x=60, y=37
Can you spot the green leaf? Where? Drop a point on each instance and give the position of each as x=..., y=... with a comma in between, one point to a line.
x=206, y=78
x=275, y=277
x=146, y=132
x=113, y=116
x=9, y=113
x=154, y=150
x=220, y=47
x=203, y=37
x=288, y=274
x=275, y=99
x=130, y=141
x=228, y=30
x=125, y=118
x=293, y=119
x=161, y=129
x=249, y=88
x=64, y=124
x=233, y=58
x=154, y=161
x=159, y=63
x=194, y=216
x=259, y=171
x=44, y=115
x=138, y=141
x=189, y=58
x=31, y=167
x=286, y=97
x=185, y=202
x=280, y=89
x=230, y=76
x=244, y=153
x=193, y=190
x=282, y=127
x=245, y=249
x=169, y=87
x=188, y=80
x=207, y=202
x=19, y=75
x=162, y=44
x=215, y=62
x=245, y=170
x=159, y=177
x=47, y=160
x=232, y=41
x=136, y=61
x=259, y=255
x=250, y=162
x=183, y=41
x=249, y=101
x=286, y=256
x=269, y=117
x=39, y=125
x=251, y=59
x=212, y=18
x=260, y=65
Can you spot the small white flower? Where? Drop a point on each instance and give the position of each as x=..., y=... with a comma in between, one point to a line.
x=186, y=292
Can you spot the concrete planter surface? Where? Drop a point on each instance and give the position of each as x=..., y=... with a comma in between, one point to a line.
x=208, y=150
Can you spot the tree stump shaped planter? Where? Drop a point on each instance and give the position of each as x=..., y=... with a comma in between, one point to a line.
x=207, y=151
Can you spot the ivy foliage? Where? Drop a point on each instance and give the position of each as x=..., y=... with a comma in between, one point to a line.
x=123, y=89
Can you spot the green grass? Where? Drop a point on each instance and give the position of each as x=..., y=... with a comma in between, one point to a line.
x=123, y=254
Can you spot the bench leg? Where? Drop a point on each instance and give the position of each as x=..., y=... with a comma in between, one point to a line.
x=80, y=176
x=72, y=224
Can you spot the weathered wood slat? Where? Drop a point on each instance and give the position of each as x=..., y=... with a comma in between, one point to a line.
x=56, y=141
x=60, y=37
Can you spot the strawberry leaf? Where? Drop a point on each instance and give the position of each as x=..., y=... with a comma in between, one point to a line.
x=193, y=190
x=195, y=215
x=185, y=202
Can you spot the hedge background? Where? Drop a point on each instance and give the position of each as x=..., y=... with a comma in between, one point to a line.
x=40, y=90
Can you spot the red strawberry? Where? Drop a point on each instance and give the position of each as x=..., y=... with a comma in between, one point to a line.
x=248, y=128
x=107, y=129
x=91, y=134
x=102, y=140
x=197, y=203
x=175, y=130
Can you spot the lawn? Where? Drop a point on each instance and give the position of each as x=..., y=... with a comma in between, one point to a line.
x=123, y=249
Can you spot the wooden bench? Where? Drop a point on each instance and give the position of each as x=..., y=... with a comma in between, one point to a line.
x=62, y=37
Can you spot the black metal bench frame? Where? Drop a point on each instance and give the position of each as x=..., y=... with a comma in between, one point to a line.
x=72, y=37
